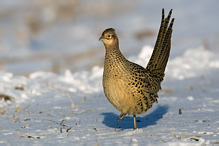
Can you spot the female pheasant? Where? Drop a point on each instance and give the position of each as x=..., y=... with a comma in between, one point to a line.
x=129, y=87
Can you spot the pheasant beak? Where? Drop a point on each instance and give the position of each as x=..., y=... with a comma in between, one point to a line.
x=101, y=38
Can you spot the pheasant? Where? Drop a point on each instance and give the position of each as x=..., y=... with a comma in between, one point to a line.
x=129, y=87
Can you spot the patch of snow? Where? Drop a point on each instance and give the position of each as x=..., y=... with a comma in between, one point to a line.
x=190, y=98
x=72, y=108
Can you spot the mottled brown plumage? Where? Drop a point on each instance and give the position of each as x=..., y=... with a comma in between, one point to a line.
x=131, y=88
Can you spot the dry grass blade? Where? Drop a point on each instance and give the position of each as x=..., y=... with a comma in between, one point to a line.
x=84, y=111
x=62, y=121
x=53, y=121
x=25, y=126
x=18, y=109
x=68, y=129
x=73, y=105
x=15, y=119
x=25, y=109
x=178, y=137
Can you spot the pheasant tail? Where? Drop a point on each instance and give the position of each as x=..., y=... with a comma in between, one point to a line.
x=158, y=61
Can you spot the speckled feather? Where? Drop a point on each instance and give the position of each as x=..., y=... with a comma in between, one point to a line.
x=131, y=88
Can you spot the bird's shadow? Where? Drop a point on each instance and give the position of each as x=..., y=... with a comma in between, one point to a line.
x=110, y=119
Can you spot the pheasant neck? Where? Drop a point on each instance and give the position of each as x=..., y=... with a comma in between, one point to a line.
x=114, y=53
x=115, y=62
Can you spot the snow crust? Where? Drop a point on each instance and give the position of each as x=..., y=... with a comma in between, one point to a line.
x=71, y=108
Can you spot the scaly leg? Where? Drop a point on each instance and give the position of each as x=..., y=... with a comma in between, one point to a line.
x=135, y=124
x=122, y=115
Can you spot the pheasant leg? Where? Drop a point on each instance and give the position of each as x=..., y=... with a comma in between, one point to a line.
x=122, y=115
x=135, y=124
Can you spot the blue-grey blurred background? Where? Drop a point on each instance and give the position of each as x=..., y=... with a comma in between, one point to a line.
x=54, y=35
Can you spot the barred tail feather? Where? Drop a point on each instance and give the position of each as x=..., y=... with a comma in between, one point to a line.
x=160, y=55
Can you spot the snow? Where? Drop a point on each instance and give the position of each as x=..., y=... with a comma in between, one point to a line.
x=71, y=108
x=68, y=107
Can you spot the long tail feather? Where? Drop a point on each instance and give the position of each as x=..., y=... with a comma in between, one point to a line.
x=160, y=55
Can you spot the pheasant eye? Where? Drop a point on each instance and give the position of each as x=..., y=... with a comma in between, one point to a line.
x=109, y=36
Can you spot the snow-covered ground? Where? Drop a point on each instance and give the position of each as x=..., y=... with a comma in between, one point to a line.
x=69, y=106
